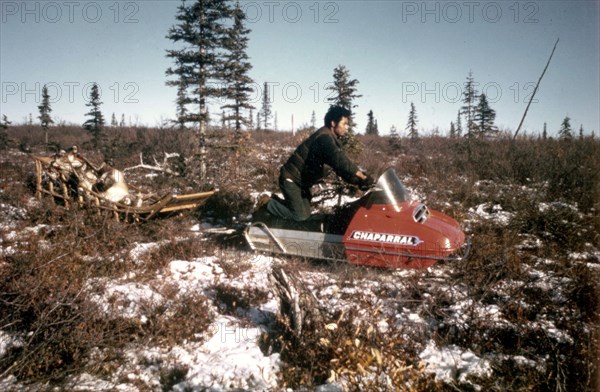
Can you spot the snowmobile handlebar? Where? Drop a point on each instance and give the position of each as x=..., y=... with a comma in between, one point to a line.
x=366, y=184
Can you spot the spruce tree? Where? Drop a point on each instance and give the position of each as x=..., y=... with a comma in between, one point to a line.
x=265, y=111
x=3, y=134
x=181, y=101
x=371, y=128
x=395, y=142
x=544, y=132
x=313, y=120
x=344, y=91
x=452, y=130
x=238, y=83
x=5, y=123
x=45, y=110
x=122, y=123
x=485, y=117
x=96, y=121
x=581, y=132
x=565, y=129
x=468, y=109
x=113, y=120
x=199, y=63
x=411, y=125
x=458, y=125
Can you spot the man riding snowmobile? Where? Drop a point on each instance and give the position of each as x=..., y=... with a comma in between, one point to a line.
x=306, y=167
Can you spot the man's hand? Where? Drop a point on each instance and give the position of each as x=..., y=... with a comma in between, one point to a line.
x=366, y=183
x=361, y=175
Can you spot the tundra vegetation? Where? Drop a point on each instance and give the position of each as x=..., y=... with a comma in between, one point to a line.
x=520, y=313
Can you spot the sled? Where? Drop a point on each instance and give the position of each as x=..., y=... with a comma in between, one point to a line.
x=71, y=177
x=383, y=228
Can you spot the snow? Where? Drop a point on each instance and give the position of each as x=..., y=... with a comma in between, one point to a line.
x=231, y=358
x=490, y=212
x=452, y=363
x=8, y=342
x=126, y=299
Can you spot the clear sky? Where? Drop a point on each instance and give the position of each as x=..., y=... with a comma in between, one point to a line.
x=399, y=51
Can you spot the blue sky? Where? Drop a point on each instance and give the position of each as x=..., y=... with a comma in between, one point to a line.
x=400, y=52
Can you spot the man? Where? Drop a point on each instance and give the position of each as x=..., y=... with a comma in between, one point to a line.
x=306, y=167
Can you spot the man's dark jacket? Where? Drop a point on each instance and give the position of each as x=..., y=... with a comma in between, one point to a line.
x=306, y=166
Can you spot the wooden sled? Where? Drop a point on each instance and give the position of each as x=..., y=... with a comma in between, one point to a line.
x=71, y=177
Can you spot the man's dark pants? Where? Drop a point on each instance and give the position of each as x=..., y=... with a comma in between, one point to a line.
x=297, y=201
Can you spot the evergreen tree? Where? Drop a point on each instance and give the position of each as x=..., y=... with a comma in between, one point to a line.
x=313, y=120
x=122, y=123
x=275, y=125
x=452, y=130
x=181, y=102
x=581, y=132
x=113, y=120
x=395, y=142
x=371, y=124
x=238, y=83
x=5, y=123
x=565, y=129
x=468, y=109
x=199, y=64
x=458, y=125
x=485, y=117
x=96, y=121
x=251, y=119
x=411, y=125
x=258, y=120
x=544, y=132
x=45, y=110
x=344, y=91
x=3, y=134
x=265, y=111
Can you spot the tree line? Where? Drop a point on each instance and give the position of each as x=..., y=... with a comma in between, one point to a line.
x=210, y=62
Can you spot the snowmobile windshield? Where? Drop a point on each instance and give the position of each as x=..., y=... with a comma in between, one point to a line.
x=389, y=190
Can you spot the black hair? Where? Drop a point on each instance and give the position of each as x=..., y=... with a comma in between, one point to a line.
x=335, y=114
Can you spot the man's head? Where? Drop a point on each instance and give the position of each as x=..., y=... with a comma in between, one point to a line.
x=337, y=119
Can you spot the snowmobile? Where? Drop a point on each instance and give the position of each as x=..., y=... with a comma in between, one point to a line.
x=383, y=228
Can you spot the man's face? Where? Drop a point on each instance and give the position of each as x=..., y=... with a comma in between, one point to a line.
x=341, y=127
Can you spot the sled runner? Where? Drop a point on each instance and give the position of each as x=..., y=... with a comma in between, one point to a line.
x=70, y=176
x=383, y=228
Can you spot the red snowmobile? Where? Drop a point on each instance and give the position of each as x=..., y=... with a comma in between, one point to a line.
x=384, y=228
